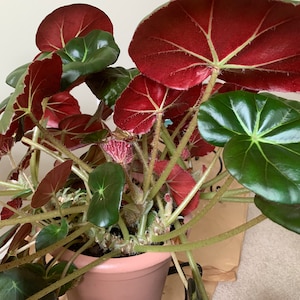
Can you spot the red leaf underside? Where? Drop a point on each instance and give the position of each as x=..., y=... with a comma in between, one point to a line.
x=59, y=107
x=6, y=213
x=42, y=80
x=180, y=183
x=137, y=108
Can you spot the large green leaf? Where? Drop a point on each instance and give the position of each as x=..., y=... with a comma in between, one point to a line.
x=51, y=234
x=86, y=55
x=286, y=215
x=261, y=139
x=22, y=282
x=107, y=183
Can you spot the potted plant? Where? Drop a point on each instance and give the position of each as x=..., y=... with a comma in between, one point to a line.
x=202, y=84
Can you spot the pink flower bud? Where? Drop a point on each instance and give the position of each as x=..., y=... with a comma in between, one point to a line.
x=119, y=150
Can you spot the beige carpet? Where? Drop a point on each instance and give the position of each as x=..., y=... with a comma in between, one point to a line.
x=269, y=267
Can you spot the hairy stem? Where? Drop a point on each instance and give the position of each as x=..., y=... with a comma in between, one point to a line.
x=202, y=243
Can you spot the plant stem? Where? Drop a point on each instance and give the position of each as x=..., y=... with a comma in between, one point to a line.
x=215, y=180
x=27, y=259
x=123, y=229
x=193, y=265
x=179, y=270
x=183, y=228
x=35, y=159
x=189, y=131
x=197, y=276
x=76, y=170
x=43, y=216
x=176, y=155
x=170, y=146
x=60, y=147
x=194, y=190
x=155, y=144
x=14, y=193
x=71, y=261
x=202, y=243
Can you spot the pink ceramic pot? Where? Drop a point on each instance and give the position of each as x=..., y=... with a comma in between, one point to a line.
x=140, y=277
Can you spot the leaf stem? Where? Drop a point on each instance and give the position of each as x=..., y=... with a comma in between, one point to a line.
x=29, y=258
x=194, y=190
x=189, y=131
x=202, y=243
x=43, y=216
x=199, y=215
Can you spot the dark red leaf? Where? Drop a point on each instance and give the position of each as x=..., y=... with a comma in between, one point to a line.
x=19, y=237
x=7, y=213
x=198, y=146
x=253, y=43
x=6, y=142
x=70, y=21
x=137, y=108
x=42, y=80
x=22, y=165
x=60, y=106
x=51, y=184
x=180, y=183
x=74, y=129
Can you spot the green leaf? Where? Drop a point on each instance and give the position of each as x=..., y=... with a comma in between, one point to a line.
x=193, y=292
x=55, y=273
x=260, y=135
x=107, y=183
x=110, y=83
x=51, y=234
x=23, y=282
x=285, y=215
x=95, y=137
x=13, y=78
x=5, y=237
x=9, y=102
x=86, y=55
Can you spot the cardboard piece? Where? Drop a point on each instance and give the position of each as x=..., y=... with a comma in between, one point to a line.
x=219, y=261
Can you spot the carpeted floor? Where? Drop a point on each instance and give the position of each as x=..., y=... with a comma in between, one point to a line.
x=269, y=268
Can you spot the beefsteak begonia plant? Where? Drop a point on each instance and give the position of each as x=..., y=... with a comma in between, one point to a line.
x=203, y=83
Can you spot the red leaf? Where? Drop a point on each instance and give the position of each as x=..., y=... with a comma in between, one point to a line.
x=74, y=129
x=199, y=147
x=19, y=237
x=7, y=213
x=22, y=165
x=253, y=43
x=180, y=183
x=59, y=106
x=70, y=21
x=138, y=106
x=42, y=80
x=51, y=184
x=6, y=142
